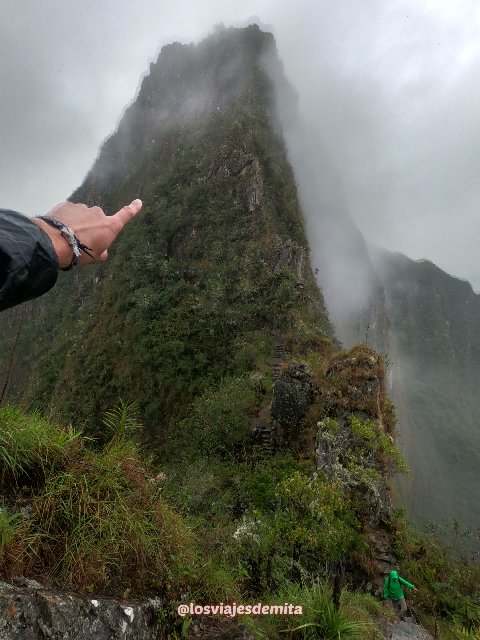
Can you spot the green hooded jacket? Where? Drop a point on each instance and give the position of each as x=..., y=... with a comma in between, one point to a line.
x=392, y=589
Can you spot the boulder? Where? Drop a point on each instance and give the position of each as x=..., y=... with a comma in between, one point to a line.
x=292, y=396
x=29, y=611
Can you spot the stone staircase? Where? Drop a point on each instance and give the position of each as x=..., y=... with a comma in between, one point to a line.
x=279, y=357
x=264, y=429
x=267, y=440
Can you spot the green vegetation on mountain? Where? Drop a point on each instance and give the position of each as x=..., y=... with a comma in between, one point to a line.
x=261, y=469
x=89, y=519
x=213, y=265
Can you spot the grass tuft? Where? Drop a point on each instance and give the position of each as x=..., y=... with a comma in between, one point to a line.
x=32, y=447
x=320, y=617
x=93, y=521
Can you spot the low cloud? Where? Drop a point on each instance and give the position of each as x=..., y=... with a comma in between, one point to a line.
x=391, y=91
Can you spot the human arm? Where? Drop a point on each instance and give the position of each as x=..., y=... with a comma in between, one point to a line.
x=90, y=225
x=406, y=583
x=28, y=261
x=31, y=251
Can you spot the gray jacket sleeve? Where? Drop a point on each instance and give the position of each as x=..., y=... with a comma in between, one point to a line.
x=28, y=261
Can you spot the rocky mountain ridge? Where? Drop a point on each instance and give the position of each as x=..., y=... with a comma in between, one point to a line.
x=274, y=444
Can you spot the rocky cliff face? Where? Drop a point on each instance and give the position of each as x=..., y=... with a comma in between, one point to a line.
x=355, y=446
x=347, y=418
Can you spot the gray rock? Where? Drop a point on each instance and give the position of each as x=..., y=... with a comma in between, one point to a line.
x=33, y=612
x=293, y=256
x=292, y=396
x=21, y=581
x=406, y=630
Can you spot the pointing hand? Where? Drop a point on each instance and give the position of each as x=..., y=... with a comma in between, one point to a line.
x=90, y=225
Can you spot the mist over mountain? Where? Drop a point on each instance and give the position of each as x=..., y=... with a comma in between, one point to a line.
x=242, y=210
x=425, y=321
x=217, y=261
x=435, y=373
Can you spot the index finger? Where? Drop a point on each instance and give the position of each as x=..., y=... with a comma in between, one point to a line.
x=127, y=213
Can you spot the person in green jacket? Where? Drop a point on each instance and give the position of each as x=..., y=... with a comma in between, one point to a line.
x=392, y=590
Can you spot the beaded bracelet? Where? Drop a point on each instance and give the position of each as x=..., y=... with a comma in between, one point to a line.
x=71, y=238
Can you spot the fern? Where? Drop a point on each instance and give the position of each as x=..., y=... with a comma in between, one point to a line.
x=122, y=422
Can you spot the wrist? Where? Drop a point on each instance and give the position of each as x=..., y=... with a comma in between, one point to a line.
x=62, y=247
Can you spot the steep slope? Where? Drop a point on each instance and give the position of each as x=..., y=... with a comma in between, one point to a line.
x=274, y=446
x=215, y=265
x=435, y=354
x=216, y=271
x=353, y=290
x=423, y=319
x=209, y=317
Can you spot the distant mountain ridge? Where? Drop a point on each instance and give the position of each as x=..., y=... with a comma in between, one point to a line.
x=425, y=321
x=435, y=354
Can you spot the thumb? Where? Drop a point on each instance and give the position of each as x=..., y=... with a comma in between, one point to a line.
x=126, y=213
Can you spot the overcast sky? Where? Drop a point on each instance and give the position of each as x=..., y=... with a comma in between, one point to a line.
x=392, y=89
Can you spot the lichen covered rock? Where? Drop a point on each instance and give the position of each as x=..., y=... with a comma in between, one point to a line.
x=292, y=396
x=355, y=450
x=33, y=612
x=346, y=453
x=293, y=256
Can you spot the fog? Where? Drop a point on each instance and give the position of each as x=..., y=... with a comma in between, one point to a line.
x=389, y=92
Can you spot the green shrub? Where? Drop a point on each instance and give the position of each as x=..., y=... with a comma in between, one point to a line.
x=121, y=422
x=97, y=521
x=319, y=620
x=316, y=515
x=448, y=586
x=363, y=607
x=9, y=523
x=218, y=420
x=31, y=447
x=372, y=438
x=311, y=523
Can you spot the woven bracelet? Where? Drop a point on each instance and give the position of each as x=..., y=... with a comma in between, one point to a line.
x=71, y=238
